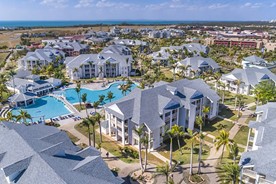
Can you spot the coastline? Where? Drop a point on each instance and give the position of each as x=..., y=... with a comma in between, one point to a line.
x=67, y=24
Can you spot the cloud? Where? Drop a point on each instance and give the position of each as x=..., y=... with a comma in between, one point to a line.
x=84, y=3
x=218, y=6
x=55, y=3
x=252, y=5
x=273, y=5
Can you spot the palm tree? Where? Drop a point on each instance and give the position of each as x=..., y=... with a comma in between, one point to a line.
x=93, y=123
x=240, y=102
x=173, y=67
x=124, y=88
x=230, y=173
x=78, y=90
x=110, y=96
x=166, y=170
x=199, y=122
x=10, y=116
x=205, y=111
x=11, y=74
x=145, y=141
x=23, y=115
x=96, y=105
x=192, y=135
x=216, y=77
x=223, y=86
x=171, y=135
x=97, y=118
x=87, y=123
x=178, y=132
x=222, y=140
x=183, y=69
x=139, y=131
x=84, y=99
x=237, y=83
x=101, y=99
x=233, y=150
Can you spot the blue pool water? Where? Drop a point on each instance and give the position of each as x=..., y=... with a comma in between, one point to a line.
x=93, y=95
x=46, y=106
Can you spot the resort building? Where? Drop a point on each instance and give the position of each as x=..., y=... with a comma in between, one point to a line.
x=170, y=103
x=254, y=61
x=117, y=49
x=69, y=48
x=87, y=66
x=131, y=43
x=41, y=57
x=197, y=65
x=44, y=154
x=28, y=87
x=258, y=162
x=248, y=78
x=162, y=56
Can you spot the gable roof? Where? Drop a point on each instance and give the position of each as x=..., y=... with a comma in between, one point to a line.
x=46, y=154
x=250, y=76
x=166, y=96
x=198, y=61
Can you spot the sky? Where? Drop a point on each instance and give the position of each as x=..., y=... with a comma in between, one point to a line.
x=219, y=10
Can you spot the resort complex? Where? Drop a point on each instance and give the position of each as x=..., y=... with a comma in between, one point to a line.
x=150, y=102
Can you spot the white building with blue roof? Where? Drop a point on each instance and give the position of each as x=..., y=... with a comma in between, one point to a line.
x=159, y=108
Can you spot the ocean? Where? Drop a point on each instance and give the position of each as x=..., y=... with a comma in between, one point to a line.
x=16, y=24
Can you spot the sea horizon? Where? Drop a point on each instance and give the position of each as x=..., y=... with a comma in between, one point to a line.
x=71, y=23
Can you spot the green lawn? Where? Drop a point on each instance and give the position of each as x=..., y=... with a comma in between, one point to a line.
x=185, y=146
x=250, y=119
x=114, y=148
x=242, y=135
x=229, y=114
x=230, y=99
x=214, y=126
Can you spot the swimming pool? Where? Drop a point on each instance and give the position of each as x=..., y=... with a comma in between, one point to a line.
x=93, y=95
x=46, y=106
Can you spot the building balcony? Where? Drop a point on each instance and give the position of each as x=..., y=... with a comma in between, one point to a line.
x=264, y=181
x=250, y=173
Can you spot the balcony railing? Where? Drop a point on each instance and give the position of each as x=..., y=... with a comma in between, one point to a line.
x=250, y=173
x=264, y=181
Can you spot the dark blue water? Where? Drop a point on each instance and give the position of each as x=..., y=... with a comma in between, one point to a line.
x=15, y=24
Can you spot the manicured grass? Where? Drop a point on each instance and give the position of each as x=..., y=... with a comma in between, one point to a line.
x=214, y=126
x=185, y=146
x=114, y=148
x=208, y=139
x=250, y=119
x=242, y=135
x=229, y=114
x=167, y=72
x=230, y=99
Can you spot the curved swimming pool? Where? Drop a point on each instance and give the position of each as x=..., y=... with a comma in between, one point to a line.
x=93, y=95
x=47, y=107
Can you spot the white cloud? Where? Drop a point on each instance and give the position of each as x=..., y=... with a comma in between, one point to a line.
x=55, y=3
x=273, y=5
x=252, y=5
x=218, y=6
x=84, y=3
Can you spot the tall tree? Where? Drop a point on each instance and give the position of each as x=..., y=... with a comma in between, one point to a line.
x=178, y=132
x=192, y=136
x=222, y=140
x=96, y=105
x=78, y=90
x=101, y=99
x=98, y=118
x=171, y=135
x=265, y=91
x=110, y=96
x=233, y=151
x=216, y=77
x=205, y=111
x=166, y=170
x=10, y=116
x=124, y=88
x=11, y=74
x=23, y=115
x=93, y=122
x=238, y=84
x=87, y=123
x=199, y=122
x=84, y=99
x=230, y=173
x=140, y=132
x=145, y=141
